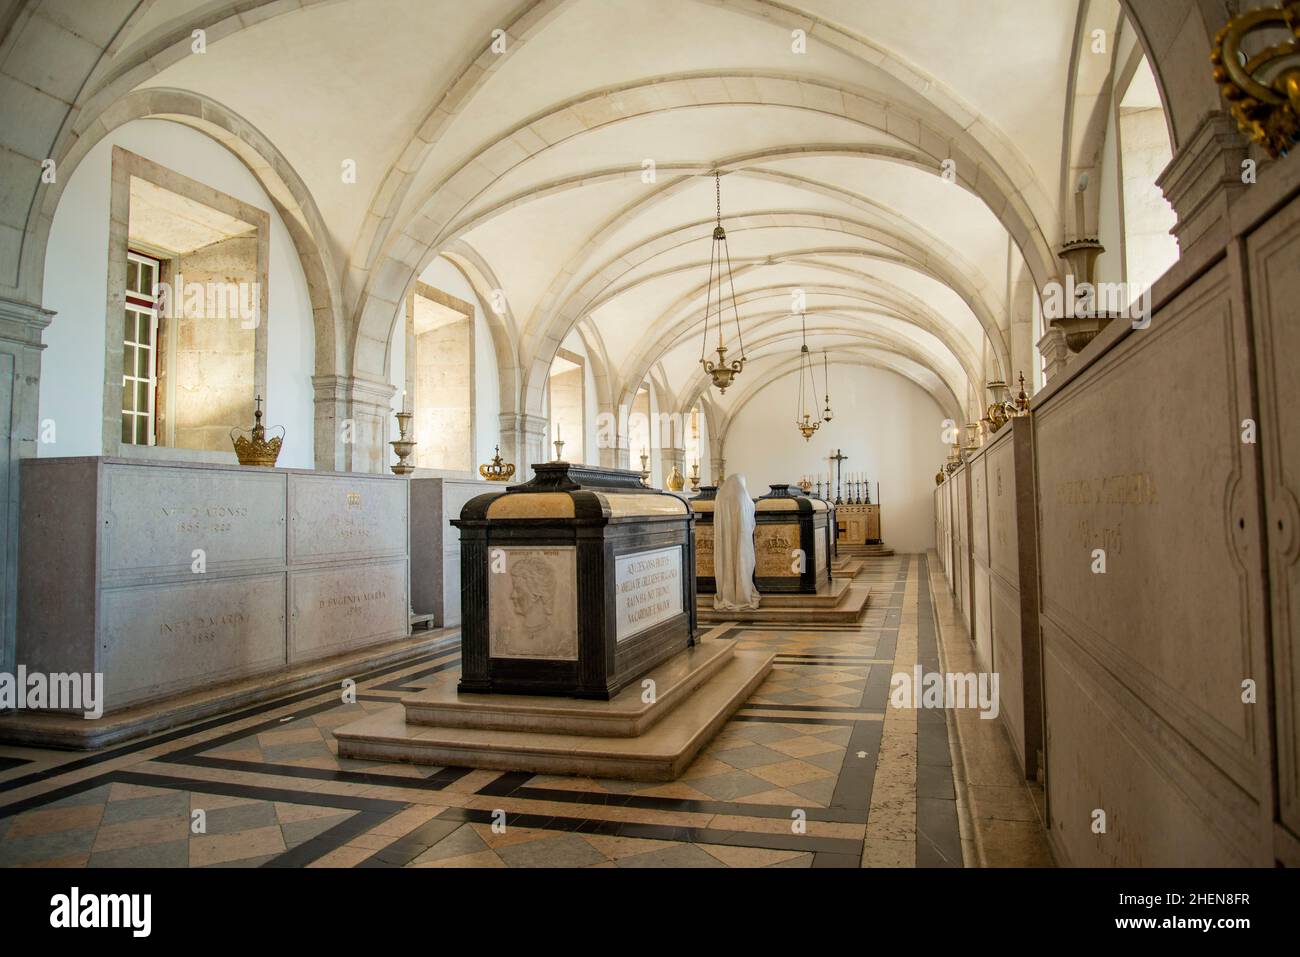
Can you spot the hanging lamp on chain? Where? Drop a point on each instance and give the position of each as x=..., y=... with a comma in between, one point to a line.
x=803, y=420
x=827, y=415
x=724, y=371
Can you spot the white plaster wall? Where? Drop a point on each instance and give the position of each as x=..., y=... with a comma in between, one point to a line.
x=76, y=287
x=887, y=426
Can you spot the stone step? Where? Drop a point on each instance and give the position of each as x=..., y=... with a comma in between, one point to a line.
x=624, y=715
x=660, y=754
x=866, y=551
x=847, y=611
x=827, y=596
x=847, y=567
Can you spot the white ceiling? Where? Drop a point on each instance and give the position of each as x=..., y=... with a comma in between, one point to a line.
x=907, y=265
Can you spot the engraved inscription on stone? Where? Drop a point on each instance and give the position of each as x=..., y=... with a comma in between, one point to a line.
x=163, y=639
x=154, y=519
x=704, y=551
x=533, y=604
x=773, y=550
x=648, y=590
x=341, y=516
x=336, y=610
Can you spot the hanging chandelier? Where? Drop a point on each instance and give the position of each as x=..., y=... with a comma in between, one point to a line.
x=826, y=381
x=807, y=388
x=724, y=371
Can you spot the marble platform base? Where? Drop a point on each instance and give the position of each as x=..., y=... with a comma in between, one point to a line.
x=842, y=602
x=73, y=732
x=847, y=567
x=625, y=737
x=878, y=550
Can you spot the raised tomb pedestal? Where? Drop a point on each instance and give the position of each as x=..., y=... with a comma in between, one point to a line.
x=197, y=588
x=579, y=646
x=795, y=570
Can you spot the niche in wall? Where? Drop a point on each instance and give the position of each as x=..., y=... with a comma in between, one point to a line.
x=568, y=403
x=440, y=378
x=186, y=350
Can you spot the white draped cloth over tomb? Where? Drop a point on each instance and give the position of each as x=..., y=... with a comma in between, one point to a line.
x=733, y=547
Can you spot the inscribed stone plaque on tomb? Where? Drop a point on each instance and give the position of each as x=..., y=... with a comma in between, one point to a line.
x=648, y=590
x=774, y=547
x=155, y=518
x=342, y=516
x=704, y=551
x=336, y=610
x=533, y=603
x=160, y=639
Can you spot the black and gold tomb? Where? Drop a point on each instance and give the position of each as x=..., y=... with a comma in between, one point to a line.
x=575, y=583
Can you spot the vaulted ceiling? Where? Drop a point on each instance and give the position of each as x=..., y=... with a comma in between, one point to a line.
x=900, y=161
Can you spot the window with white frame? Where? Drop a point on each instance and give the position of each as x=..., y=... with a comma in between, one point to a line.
x=140, y=349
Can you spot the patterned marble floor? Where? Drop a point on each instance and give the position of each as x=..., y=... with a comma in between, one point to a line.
x=814, y=771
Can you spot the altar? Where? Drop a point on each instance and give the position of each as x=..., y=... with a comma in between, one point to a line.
x=857, y=524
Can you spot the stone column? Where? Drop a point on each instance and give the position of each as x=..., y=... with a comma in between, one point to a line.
x=1054, y=350
x=523, y=442
x=719, y=471
x=21, y=327
x=353, y=420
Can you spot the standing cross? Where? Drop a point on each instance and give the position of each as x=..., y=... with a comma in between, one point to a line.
x=838, y=458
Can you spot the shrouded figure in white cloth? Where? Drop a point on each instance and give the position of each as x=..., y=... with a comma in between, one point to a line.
x=733, y=547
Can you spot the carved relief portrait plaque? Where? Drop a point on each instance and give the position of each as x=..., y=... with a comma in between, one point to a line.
x=533, y=604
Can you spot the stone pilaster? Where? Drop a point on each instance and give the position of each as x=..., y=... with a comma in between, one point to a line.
x=22, y=325
x=1055, y=351
x=1201, y=181
x=523, y=441
x=353, y=420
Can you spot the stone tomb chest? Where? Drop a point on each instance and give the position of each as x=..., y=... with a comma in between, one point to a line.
x=575, y=583
x=702, y=506
x=786, y=522
x=169, y=578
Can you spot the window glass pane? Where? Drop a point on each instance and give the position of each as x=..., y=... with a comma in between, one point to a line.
x=132, y=275
x=141, y=430
x=146, y=278
x=128, y=427
x=143, y=335
x=142, y=396
x=128, y=360
x=142, y=365
x=128, y=327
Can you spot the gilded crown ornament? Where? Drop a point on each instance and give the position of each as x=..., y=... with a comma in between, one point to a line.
x=252, y=447
x=497, y=471
x=723, y=372
x=1263, y=91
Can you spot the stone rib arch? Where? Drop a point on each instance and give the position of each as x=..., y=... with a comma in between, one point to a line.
x=429, y=222
x=273, y=172
x=1087, y=105
x=483, y=281
x=894, y=302
x=948, y=404
x=935, y=267
x=788, y=339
